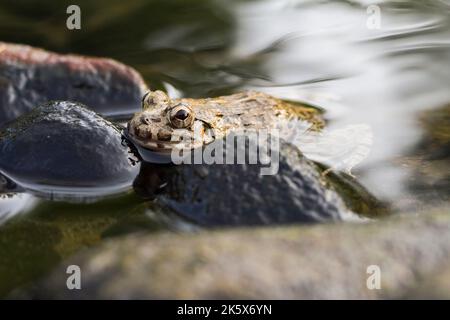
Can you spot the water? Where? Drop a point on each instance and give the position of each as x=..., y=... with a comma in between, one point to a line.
x=321, y=52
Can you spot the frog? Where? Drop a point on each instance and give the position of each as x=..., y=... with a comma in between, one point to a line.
x=165, y=124
x=208, y=194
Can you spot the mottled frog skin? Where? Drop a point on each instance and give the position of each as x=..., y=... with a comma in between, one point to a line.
x=164, y=122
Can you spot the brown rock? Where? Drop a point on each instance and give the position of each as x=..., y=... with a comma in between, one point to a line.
x=30, y=76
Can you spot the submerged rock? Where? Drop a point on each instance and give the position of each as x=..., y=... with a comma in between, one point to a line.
x=64, y=148
x=31, y=76
x=32, y=243
x=324, y=261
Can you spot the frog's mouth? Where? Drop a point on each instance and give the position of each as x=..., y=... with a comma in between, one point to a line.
x=156, y=145
x=180, y=139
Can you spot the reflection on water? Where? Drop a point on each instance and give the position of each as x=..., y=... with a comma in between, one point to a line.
x=318, y=51
x=384, y=76
x=14, y=203
x=33, y=243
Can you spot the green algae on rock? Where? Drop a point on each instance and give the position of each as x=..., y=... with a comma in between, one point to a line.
x=34, y=243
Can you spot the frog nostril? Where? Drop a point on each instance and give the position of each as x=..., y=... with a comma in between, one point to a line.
x=145, y=120
x=148, y=120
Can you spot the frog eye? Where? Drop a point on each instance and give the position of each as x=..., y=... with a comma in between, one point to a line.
x=181, y=116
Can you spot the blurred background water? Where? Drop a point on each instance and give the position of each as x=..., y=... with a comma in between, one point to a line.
x=393, y=78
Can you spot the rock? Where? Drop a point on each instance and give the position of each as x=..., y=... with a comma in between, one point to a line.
x=64, y=148
x=237, y=194
x=31, y=76
x=314, y=262
x=430, y=159
x=436, y=287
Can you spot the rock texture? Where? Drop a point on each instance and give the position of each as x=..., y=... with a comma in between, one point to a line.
x=216, y=195
x=31, y=76
x=326, y=261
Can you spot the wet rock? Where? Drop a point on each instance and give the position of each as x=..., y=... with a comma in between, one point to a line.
x=238, y=194
x=64, y=148
x=31, y=76
x=323, y=261
x=429, y=161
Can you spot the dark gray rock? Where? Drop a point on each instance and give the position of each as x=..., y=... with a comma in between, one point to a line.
x=238, y=194
x=63, y=147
